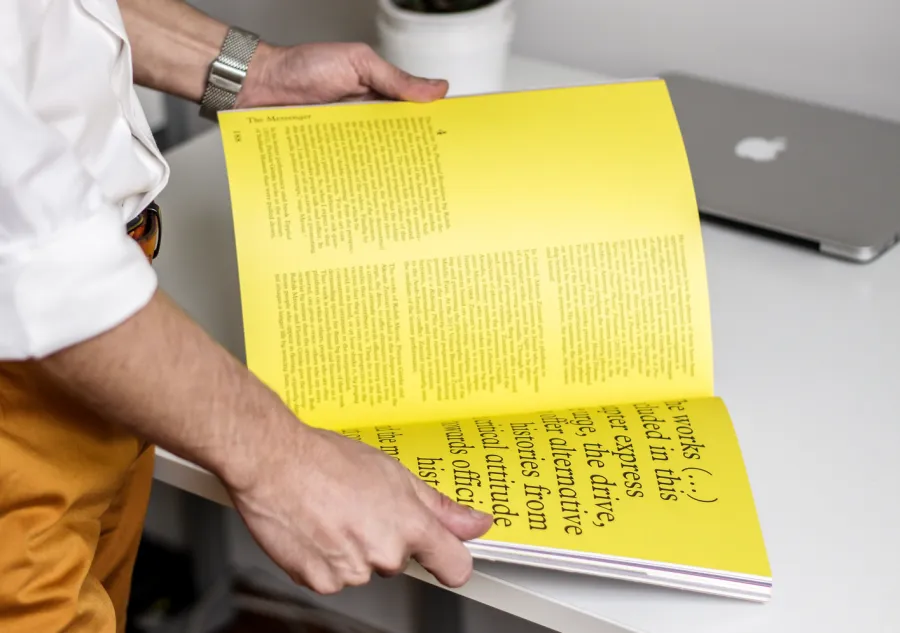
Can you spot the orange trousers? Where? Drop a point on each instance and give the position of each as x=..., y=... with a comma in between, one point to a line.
x=73, y=496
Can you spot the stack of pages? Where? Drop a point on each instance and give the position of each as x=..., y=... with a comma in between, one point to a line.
x=506, y=293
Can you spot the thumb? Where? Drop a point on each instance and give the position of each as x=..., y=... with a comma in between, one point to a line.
x=394, y=83
x=463, y=522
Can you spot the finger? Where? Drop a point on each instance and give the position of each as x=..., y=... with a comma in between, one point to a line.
x=352, y=571
x=348, y=558
x=318, y=576
x=356, y=577
x=391, y=562
x=390, y=571
x=463, y=522
x=442, y=554
x=388, y=80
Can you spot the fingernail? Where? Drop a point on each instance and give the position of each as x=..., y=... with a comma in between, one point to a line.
x=435, y=82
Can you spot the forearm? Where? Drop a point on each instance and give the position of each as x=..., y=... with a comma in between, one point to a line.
x=162, y=377
x=173, y=45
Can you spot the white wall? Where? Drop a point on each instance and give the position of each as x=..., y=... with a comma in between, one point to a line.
x=841, y=52
x=290, y=21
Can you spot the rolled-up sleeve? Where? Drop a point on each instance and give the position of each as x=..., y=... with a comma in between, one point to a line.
x=68, y=269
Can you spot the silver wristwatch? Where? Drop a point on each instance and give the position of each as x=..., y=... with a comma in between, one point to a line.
x=227, y=72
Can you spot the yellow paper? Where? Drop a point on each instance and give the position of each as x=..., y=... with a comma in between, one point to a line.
x=661, y=481
x=475, y=285
x=493, y=254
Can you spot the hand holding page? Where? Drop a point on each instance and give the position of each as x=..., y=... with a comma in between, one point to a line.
x=507, y=293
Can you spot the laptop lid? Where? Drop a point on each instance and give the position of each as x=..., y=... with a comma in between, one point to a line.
x=824, y=176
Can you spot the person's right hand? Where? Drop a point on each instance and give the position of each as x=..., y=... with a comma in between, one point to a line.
x=331, y=511
x=328, y=509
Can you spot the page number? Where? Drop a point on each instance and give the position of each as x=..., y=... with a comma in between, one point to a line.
x=237, y=137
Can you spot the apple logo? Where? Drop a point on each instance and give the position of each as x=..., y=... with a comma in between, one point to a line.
x=761, y=150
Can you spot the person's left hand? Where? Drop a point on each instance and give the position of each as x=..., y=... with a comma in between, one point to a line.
x=326, y=73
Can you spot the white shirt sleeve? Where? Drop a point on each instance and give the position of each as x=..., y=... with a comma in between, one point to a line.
x=68, y=269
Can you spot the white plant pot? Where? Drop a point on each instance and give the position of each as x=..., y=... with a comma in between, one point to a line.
x=469, y=49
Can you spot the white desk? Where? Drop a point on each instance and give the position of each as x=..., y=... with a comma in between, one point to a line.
x=807, y=354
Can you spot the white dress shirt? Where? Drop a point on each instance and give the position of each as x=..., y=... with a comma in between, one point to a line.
x=77, y=161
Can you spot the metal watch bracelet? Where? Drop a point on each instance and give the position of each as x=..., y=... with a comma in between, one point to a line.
x=227, y=72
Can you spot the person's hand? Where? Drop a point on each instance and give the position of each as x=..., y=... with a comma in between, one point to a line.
x=331, y=511
x=327, y=73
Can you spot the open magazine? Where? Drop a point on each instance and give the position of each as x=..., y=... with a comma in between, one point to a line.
x=507, y=293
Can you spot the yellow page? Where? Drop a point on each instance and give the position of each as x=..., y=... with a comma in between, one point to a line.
x=659, y=481
x=512, y=252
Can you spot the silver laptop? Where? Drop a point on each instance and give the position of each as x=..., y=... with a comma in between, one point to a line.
x=820, y=176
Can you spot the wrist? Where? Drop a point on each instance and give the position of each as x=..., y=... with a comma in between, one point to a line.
x=258, y=88
x=263, y=432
